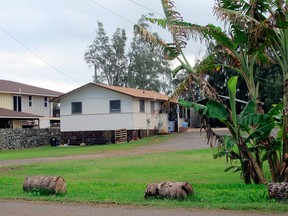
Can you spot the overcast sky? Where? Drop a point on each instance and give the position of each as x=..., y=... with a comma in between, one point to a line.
x=42, y=42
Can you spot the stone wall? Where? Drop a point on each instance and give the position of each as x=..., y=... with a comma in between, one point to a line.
x=101, y=137
x=27, y=138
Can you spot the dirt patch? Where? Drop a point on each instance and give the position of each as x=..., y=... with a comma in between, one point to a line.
x=34, y=208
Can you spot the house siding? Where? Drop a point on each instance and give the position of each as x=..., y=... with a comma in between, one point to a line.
x=96, y=100
x=147, y=120
x=96, y=112
x=89, y=126
x=37, y=107
x=6, y=101
x=96, y=122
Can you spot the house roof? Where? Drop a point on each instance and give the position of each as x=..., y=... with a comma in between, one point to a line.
x=6, y=113
x=205, y=100
x=137, y=93
x=7, y=86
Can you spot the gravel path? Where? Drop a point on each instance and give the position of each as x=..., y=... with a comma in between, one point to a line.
x=186, y=141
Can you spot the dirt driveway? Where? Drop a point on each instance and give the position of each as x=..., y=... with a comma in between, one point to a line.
x=186, y=141
x=25, y=208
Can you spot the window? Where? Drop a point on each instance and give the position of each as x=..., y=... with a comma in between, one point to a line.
x=17, y=103
x=115, y=106
x=76, y=107
x=45, y=101
x=30, y=101
x=152, y=103
x=142, y=105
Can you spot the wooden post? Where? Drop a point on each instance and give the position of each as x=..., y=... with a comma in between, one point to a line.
x=45, y=184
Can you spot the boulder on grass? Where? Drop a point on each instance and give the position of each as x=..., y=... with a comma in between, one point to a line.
x=172, y=190
x=45, y=184
x=278, y=190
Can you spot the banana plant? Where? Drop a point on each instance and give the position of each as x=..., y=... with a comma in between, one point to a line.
x=246, y=130
x=267, y=23
x=174, y=50
x=241, y=56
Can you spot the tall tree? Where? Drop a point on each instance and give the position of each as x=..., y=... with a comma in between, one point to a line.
x=108, y=57
x=142, y=67
x=118, y=59
x=147, y=69
x=98, y=54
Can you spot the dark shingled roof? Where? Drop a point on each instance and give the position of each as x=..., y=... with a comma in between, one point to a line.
x=6, y=113
x=15, y=87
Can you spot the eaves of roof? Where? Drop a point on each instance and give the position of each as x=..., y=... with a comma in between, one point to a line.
x=11, y=87
x=6, y=113
x=136, y=93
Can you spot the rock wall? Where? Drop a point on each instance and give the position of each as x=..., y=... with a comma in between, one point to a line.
x=27, y=138
x=101, y=137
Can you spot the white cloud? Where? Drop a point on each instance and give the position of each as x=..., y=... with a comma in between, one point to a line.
x=60, y=32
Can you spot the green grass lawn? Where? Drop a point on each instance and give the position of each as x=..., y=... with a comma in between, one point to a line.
x=48, y=151
x=122, y=180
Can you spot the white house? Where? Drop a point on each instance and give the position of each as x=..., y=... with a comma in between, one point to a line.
x=88, y=112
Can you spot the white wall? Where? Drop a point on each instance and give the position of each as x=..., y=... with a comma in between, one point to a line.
x=96, y=122
x=95, y=100
x=150, y=121
x=44, y=123
x=96, y=112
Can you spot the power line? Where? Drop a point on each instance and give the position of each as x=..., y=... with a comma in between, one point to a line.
x=35, y=54
x=111, y=11
x=124, y=18
x=190, y=51
x=146, y=7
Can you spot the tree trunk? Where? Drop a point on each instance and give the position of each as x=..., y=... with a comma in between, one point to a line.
x=250, y=167
x=246, y=172
x=45, y=184
x=175, y=190
x=285, y=119
x=272, y=167
x=278, y=190
x=259, y=177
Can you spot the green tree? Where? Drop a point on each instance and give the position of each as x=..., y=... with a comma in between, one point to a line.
x=108, y=58
x=98, y=54
x=268, y=25
x=221, y=76
x=241, y=54
x=271, y=85
x=118, y=59
x=141, y=67
x=257, y=126
x=147, y=69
